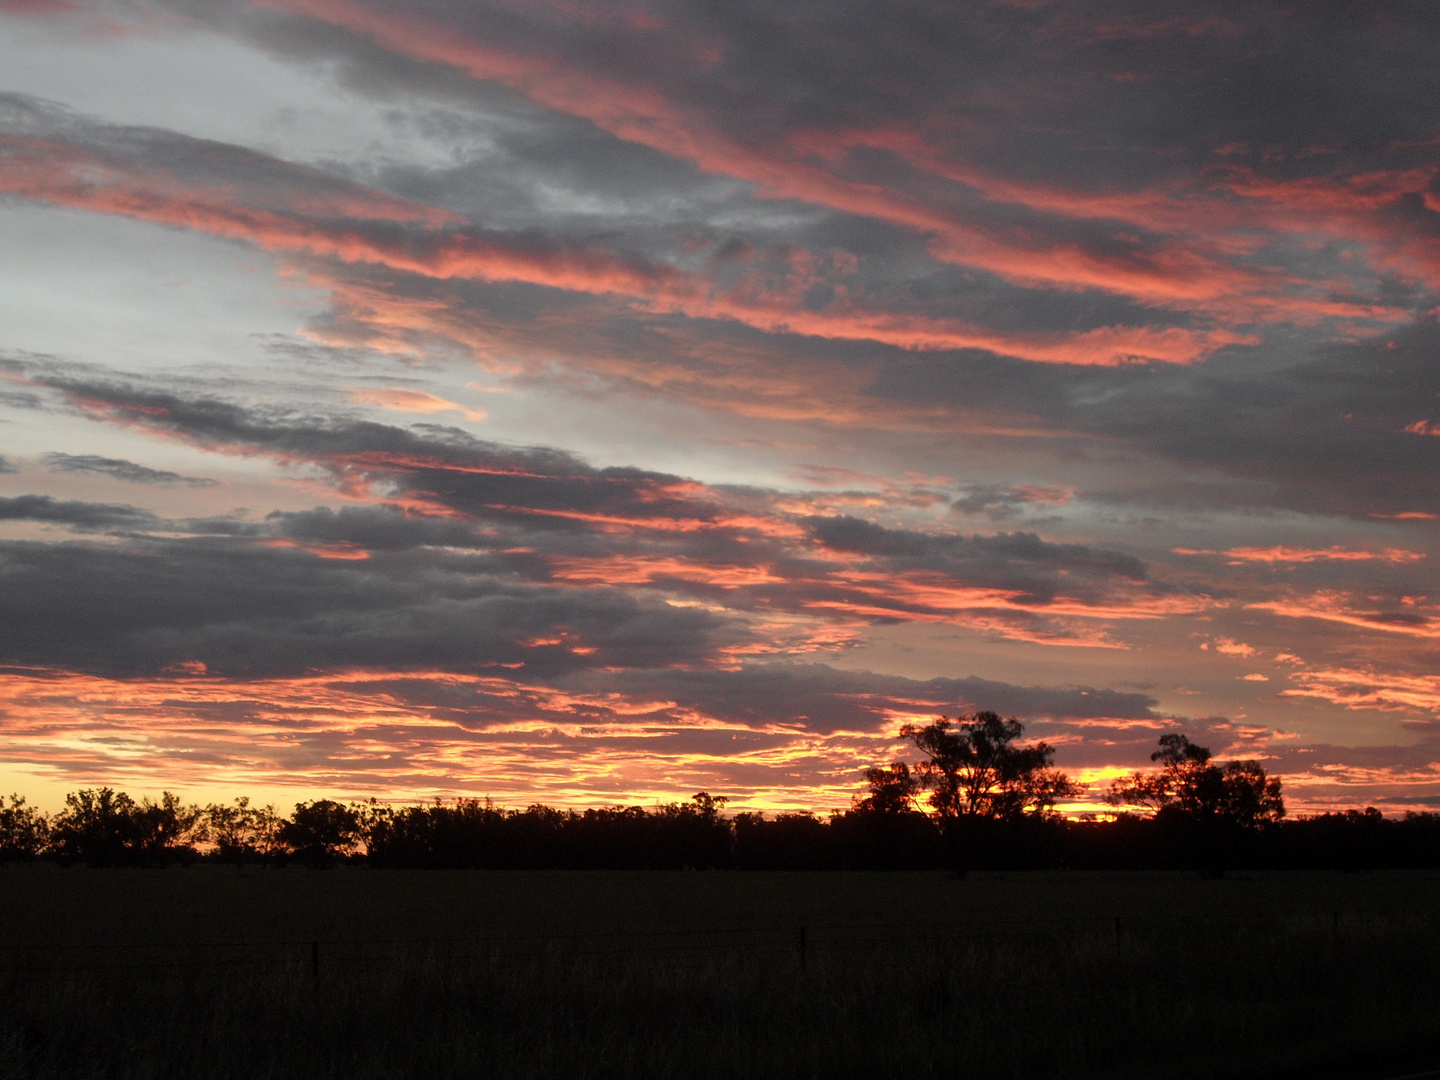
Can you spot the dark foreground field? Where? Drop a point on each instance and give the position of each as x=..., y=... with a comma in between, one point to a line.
x=212, y=972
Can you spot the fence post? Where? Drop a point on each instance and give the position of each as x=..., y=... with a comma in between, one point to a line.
x=1335, y=929
x=315, y=962
x=1119, y=937
x=802, y=946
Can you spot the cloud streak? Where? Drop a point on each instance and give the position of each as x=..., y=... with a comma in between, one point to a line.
x=844, y=132
x=119, y=469
x=52, y=157
x=551, y=517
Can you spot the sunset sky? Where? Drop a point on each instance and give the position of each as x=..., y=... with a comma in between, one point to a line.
x=592, y=403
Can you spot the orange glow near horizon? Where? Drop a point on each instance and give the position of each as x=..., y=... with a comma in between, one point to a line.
x=350, y=735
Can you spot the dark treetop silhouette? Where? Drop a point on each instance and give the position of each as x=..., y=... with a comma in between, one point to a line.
x=1187, y=784
x=973, y=768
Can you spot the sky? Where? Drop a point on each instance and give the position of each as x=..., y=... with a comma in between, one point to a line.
x=593, y=403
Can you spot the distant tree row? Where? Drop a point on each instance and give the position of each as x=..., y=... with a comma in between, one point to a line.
x=991, y=804
x=103, y=827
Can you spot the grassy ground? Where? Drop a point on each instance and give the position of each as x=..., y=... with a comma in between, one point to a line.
x=209, y=972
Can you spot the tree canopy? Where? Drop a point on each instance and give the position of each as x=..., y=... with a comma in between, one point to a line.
x=889, y=789
x=973, y=768
x=1188, y=784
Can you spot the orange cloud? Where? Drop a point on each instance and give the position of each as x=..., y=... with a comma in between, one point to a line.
x=411, y=736
x=1360, y=688
x=412, y=401
x=1309, y=555
x=345, y=552
x=416, y=735
x=1230, y=647
x=1334, y=607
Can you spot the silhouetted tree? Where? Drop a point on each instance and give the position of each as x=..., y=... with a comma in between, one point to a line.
x=319, y=832
x=891, y=789
x=884, y=829
x=1209, y=812
x=1188, y=783
x=24, y=831
x=796, y=841
x=468, y=833
x=240, y=832
x=108, y=828
x=1204, y=815
x=167, y=829
x=974, y=769
x=694, y=834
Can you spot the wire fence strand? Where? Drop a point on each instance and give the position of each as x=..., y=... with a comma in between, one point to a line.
x=799, y=939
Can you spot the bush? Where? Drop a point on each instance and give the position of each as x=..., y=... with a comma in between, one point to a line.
x=108, y=828
x=24, y=831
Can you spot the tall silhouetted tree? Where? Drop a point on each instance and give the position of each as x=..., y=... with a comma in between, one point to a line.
x=973, y=768
x=788, y=842
x=95, y=827
x=24, y=831
x=709, y=806
x=102, y=827
x=890, y=789
x=1189, y=784
x=319, y=832
x=695, y=834
x=884, y=829
x=240, y=832
x=466, y=833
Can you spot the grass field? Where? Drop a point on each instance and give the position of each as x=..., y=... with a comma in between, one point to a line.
x=211, y=971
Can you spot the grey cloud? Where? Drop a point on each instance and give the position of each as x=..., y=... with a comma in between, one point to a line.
x=1325, y=434
x=1290, y=426
x=246, y=194
x=465, y=473
x=1266, y=423
x=5, y=466
x=817, y=697
x=773, y=700
x=1008, y=560
x=771, y=66
x=258, y=612
x=541, y=507
x=1004, y=501
x=82, y=516
x=379, y=528
x=1309, y=428
x=18, y=399
x=896, y=276
x=1116, y=96
x=120, y=469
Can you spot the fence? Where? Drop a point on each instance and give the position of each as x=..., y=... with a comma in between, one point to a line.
x=802, y=942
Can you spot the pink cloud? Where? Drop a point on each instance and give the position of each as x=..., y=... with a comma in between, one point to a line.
x=1411, y=621
x=398, y=399
x=346, y=224
x=1282, y=554
x=1174, y=272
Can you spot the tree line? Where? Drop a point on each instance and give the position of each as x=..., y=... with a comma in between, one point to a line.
x=978, y=798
